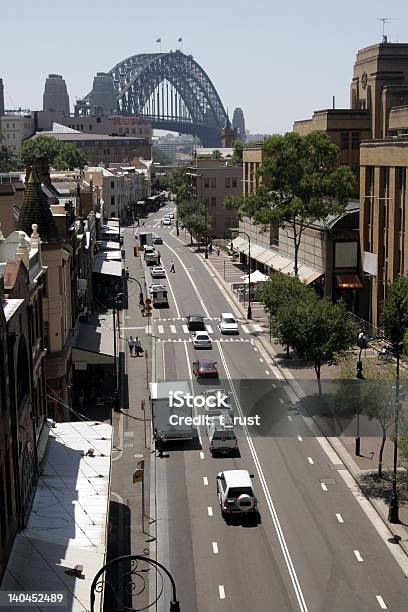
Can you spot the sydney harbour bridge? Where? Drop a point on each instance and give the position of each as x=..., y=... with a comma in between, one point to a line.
x=171, y=91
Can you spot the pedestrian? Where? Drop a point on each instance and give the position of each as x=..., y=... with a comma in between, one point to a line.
x=231, y=246
x=158, y=257
x=161, y=223
x=210, y=249
x=138, y=346
x=143, y=224
x=172, y=269
x=131, y=345
x=218, y=251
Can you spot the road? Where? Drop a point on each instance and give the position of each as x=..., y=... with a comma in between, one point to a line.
x=314, y=549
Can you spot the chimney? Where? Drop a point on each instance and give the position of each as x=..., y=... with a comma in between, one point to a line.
x=23, y=252
x=35, y=238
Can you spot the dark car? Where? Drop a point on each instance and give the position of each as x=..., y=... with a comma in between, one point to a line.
x=195, y=323
x=157, y=240
x=205, y=368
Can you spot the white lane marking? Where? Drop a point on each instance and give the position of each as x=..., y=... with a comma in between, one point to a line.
x=330, y=452
x=290, y=418
x=255, y=349
x=205, y=481
x=281, y=400
x=210, y=511
x=271, y=506
x=273, y=386
x=209, y=329
x=260, y=360
x=207, y=314
x=173, y=329
x=339, y=518
x=381, y=602
x=160, y=328
x=266, y=371
x=221, y=591
x=245, y=329
x=201, y=455
x=147, y=330
x=323, y=486
x=300, y=438
x=310, y=460
x=358, y=556
x=215, y=548
x=185, y=328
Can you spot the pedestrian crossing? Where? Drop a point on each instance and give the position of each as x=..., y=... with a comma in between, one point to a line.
x=172, y=326
x=190, y=340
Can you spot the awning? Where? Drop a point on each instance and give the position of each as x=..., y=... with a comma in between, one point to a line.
x=238, y=242
x=256, y=251
x=92, y=344
x=107, y=266
x=278, y=262
x=348, y=281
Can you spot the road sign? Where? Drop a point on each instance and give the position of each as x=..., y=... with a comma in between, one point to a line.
x=148, y=301
x=135, y=251
x=137, y=476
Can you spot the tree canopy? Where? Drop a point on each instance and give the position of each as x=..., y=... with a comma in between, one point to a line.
x=8, y=161
x=394, y=312
x=302, y=182
x=192, y=214
x=62, y=155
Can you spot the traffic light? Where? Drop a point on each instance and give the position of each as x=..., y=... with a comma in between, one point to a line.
x=359, y=373
x=141, y=301
x=135, y=251
x=148, y=307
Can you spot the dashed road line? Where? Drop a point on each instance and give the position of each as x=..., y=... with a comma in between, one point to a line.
x=266, y=371
x=261, y=360
x=381, y=602
x=205, y=481
x=281, y=400
x=358, y=556
x=210, y=511
x=173, y=329
x=310, y=460
x=201, y=455
x=209, y=329
x=339, y=518
x=215, y=548
x=323, y=486
x=185, y=328
x=290, y=418
x=221, y=591
x=160, y=328
x=300, y=438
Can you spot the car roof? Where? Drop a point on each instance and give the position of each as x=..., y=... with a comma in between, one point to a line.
x=227, y=314
x=237, y=478
x=212, y=361
x=194, y=316
x=201, y=333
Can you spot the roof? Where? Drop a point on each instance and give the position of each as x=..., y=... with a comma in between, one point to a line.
x=35, y=209
x=60, y=534
x=10, y=307
x=7, y=189
x=330, y=221
x=74, y=136
x=92, y=342
x=237, y=478
x=106, y=266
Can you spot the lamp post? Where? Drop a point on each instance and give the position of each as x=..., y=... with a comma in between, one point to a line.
x=206, y=232
x=116, y=399
x=362, y=342
x=236, y=229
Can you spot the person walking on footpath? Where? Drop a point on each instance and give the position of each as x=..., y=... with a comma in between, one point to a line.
x=138, y=346
x=218, y=251
x=131, y=345
x=172, y=268
x=158, y=257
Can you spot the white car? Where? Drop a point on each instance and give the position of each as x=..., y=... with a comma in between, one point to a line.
x=170, y=215
x=166, y=221
x=227, y=323
x=235, y=493
x=201, y=340
x=158, y=272
x=220, y=402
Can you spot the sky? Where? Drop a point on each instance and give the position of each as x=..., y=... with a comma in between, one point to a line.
x=277, y=60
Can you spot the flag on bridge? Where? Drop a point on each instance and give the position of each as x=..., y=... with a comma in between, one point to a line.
x=180, y=39
x=158, y=40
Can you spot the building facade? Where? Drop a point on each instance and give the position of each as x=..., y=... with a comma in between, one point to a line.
x=210, y=181
x=15, y=127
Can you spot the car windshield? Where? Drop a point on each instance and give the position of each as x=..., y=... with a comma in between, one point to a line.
x=202, y=337
x=237, y=491
x=207, y=366
x=229, y=320
x=224, y=435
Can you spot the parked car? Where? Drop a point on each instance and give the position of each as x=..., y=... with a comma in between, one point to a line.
x=205, y=368
x=158, y=272
x=235, y=493
x=157, y=239
x=227, y=323
x=201, y=340
x=195, y=323
x=166, y=221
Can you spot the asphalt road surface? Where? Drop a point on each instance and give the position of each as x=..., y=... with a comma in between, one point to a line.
x=314, y=549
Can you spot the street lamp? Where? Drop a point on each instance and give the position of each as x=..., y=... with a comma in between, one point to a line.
x=116, y=398
x=206, y=232
x=236, y=229
x=362, y=342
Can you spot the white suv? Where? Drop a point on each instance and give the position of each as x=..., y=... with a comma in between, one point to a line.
x=235, y=493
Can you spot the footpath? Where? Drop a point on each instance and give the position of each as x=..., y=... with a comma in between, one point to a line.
x=362, y=468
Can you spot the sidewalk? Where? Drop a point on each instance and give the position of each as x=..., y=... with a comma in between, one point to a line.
x=363, y=468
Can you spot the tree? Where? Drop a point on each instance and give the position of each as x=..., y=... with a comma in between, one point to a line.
x=394, y=315
x=62, y=155
x=318, y=330
x=302, y=183
x=8, y=161
x=280, y=290
x=236, y=159
x=193, y=216
x=216, y=154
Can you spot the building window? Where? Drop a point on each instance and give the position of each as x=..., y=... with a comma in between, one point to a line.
x=206, y=182
x=213, y=202
x=234, y=181
x=112, y=200
x=213, y=183
x=355, y=140
x=207, y=201
x=344, y=141
x=227, y=181
x=98, y=120
x=112, y=184
x=90, y=126
x=345, y=254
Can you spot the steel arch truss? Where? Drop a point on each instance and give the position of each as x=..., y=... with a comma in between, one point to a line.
x=172, y=91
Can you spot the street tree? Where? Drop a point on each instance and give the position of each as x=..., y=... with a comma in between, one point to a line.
x=8, y=161
x=302, y=182
x=236, y=158
x=62, y=155
x=394, y=313
x=216, y=154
